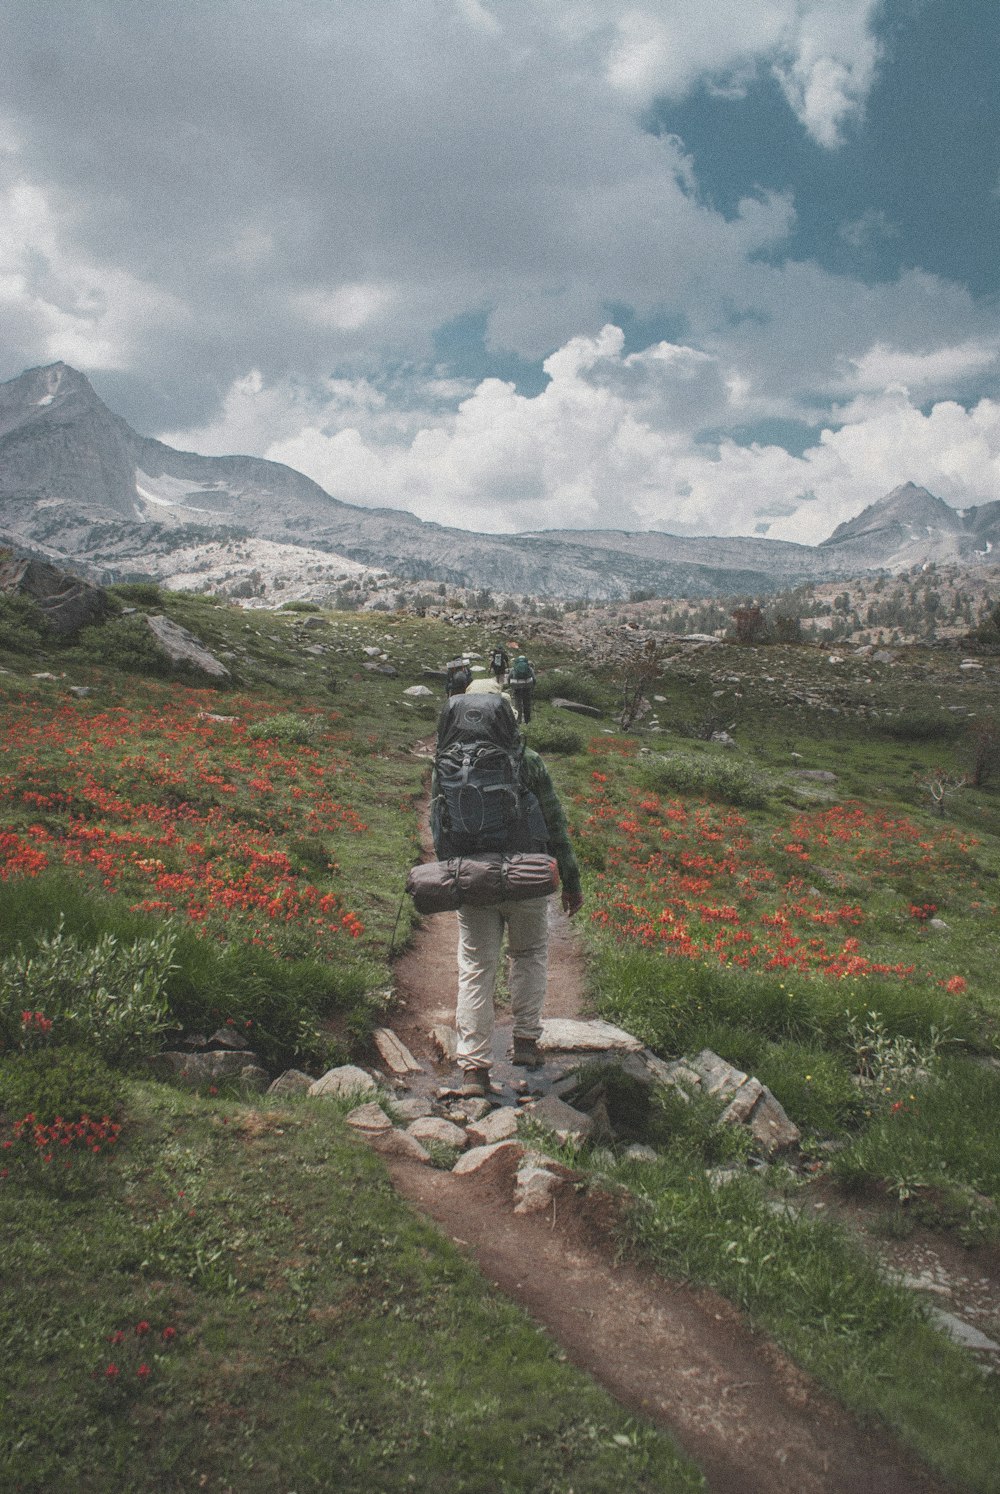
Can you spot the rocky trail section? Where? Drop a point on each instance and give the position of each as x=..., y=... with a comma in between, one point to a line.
x=679, y=1356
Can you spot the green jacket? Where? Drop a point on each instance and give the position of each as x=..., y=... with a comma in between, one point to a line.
x=535, y=776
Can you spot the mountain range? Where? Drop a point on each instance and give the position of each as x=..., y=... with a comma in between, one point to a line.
x=80, y=487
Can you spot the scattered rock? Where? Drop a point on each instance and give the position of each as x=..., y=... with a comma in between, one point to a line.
x=724, y=740
x=395, y=1055
x=393, y=1143
x=228, y=1037
x=939, y=924
x=574, y=705
x=562, y=1035
x=418, y=690
x=564, y=1120
x=498, y=1125
x=412, y=1109
x=369, y=1119
x=66, y=603
x=481, y=1156
x=814, y=775
x=202, y=1068
x=534, y=1188
x=80, y=691
x=434, y=1128
x=182, y=648
x=639, y=1152
x=345, y=1080
x=963, y=1333
x=291, y=1082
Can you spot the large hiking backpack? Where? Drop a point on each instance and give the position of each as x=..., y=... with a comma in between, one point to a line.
x=521, y=673
x=481, y=803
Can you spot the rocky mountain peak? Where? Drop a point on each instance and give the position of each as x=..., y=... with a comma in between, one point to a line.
x=910, y=509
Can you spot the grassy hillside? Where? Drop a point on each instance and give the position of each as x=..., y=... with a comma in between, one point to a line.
x=178, y=857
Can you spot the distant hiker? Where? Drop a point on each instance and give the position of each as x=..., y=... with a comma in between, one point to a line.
x=490, y=793
x=521, y=682
x=499, y=663
x=458, y=677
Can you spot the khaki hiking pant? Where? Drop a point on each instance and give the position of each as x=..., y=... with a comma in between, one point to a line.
x=480, y=937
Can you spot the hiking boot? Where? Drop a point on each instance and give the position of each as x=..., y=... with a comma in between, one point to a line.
x=475, y=1084
x=527, y=1054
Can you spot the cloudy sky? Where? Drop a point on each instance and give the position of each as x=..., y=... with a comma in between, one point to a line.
x=706, y=266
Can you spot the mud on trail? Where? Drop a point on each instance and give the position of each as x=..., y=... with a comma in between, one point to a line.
x=679, y=1356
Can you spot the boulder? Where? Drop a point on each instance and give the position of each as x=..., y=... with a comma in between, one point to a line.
x=575, y=705
x=203, y=1068
x=562, y=1035
x=435, y=1128
x=481, y=1156
x=498, y=1125
x=393, y=1143
x=291, y=1082
x=66, y=603
x=416, y=690
x=253, y=1078
x=369, y=1119
x=395, y=1055
x=345, y=1080
x=182, y=648
x=564, y=1120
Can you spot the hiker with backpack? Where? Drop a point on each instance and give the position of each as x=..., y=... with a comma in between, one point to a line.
x=457, y=677
x=499, y=663
x=491, y=794
x=522, y=686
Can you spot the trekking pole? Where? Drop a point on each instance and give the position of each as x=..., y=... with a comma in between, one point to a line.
x=392, y=938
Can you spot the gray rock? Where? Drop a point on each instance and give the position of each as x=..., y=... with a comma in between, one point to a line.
x=481, y=1156
x=963, y=1333
x=564, y=1120
x=565, y=1036
x=939, y=924
x=369, y=1119
x=534, y=1189
x=229, y=1037
x=418, y=690
x=393, y=1143
x=639, y=1152
x=413, y=1108
x=498, y=1125
x=740, y=1107
x=203, y=1068
x=724, y=740
x=574, y=705
x=395, y=1055
x=718, y=1077
x=291, y=1082
x=345, y=1080
x=434, y=1128
x=80, y=691
x=182, y=648
x=815, y=775
x=66, y=603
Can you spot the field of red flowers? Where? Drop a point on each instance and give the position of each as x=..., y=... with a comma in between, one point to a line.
x=805, y=894
x=184, y=811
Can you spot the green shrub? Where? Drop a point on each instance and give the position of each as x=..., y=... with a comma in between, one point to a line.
x=54, y=1082
x=552, y=736
x=567, y=684
x=109, y=997
x=288, y=727
x=724, y=776
x=125, y=644
x=138, y=593
x=22, y=626
x=921, y=725
x=300, y=606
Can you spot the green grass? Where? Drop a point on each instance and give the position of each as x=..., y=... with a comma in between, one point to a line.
x=315, y=1335
x=321, y=1335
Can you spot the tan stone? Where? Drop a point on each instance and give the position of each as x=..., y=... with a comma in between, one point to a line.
x=481, y=1156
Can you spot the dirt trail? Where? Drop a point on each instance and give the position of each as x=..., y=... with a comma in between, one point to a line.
x=681, y=1357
